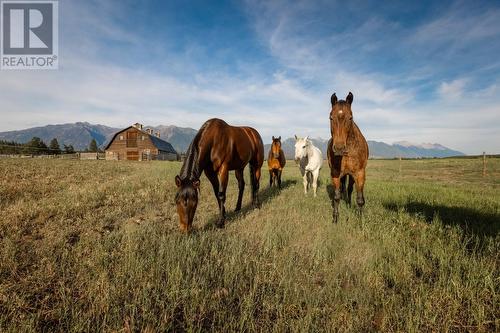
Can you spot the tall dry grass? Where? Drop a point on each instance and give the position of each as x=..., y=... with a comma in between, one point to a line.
x=94, y=246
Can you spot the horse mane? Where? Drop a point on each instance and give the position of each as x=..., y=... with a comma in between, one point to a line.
x=191, y=168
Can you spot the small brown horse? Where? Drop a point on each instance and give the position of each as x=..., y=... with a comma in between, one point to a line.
x=276, y=162
x=347, y=154
x=216, y=149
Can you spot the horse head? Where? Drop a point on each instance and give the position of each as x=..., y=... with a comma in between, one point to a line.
x=341, y=122
x=186, y=200
x=276, y=147
x=301, y=145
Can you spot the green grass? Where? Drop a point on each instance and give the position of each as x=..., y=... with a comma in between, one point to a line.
x=95, y=246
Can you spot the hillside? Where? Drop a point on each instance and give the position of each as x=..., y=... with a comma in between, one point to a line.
x=179, y=137
x=81, y=133
x=77, y=134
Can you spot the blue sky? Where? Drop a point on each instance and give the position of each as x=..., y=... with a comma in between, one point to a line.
x=422, y=72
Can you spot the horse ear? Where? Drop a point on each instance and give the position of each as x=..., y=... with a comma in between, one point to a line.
x=178, y=181
x=333, y=99
x=349, y=98
x=273, y=137
x=196, y=184
x=306, y=138
x=296, y=138
x=279, y=138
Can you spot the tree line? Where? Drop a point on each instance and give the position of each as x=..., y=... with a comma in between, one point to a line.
x=36, y=146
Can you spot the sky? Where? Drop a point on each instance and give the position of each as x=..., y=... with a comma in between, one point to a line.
x=427, y=71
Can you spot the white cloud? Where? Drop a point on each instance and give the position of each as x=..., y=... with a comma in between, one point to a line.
x=452, y=90
x=459, y=25
x=291, y=100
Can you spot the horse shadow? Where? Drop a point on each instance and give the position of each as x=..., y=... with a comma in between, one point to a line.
x=265, y=195
x=472, y=221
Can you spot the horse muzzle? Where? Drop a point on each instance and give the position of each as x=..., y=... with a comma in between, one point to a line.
x=341, y=153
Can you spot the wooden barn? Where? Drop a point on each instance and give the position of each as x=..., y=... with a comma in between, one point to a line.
x=138, y=144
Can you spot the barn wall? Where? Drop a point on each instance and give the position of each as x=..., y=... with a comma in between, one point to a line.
x=163, y=156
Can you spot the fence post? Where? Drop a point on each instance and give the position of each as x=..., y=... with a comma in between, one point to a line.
x=484, y=163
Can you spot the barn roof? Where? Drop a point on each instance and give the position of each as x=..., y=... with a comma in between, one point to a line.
x=157, y=142
x=162, y=144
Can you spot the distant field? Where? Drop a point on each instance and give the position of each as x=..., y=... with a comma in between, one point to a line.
x=94, y=246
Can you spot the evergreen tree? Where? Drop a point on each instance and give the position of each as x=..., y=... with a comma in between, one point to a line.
x=36, y=146
x=93, y=146
x=69, y=149
x=10, y=147
x=44, y=149
x=54, y=147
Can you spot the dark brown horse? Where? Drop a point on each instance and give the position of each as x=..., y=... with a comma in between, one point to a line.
x=347, y=154
x=216, y=149
x=276, y=162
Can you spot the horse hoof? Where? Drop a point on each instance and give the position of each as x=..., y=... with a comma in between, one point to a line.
x=220, y=224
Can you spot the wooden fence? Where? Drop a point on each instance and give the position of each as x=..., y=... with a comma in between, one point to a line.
x=75, y=156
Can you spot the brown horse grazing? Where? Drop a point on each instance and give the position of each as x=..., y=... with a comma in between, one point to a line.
x=216, y=149
x=347, y=154
x=276, y=162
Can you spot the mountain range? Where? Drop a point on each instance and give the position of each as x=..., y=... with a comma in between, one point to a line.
x=81, y=133
x=380, y=149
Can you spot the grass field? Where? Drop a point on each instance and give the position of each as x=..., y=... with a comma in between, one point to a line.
x=94, y=246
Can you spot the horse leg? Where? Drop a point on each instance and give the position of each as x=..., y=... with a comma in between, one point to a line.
x=257, y=182
x=350, y=187
x=360, y=183
x=255, y=177
x=241, y=187
x=315, y=175
x=271, y=176
x=212, y=177
x=279, y=178
x=305, y=182
x=222, y=176
x=336, y=198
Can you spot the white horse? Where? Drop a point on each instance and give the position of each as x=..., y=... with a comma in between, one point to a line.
x=310, y=160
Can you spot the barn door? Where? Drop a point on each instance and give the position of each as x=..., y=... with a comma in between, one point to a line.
x=133, y=155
